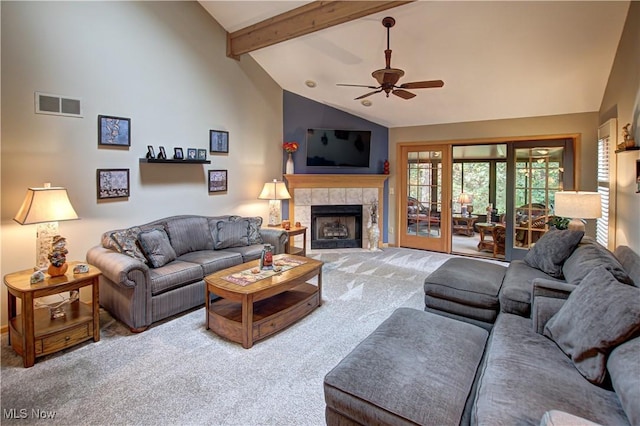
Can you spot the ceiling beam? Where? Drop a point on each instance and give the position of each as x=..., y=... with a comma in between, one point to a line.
x=303, y=20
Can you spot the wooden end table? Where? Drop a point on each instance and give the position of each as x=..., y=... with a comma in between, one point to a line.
x=464, y=224
x=245, y=314
x=485, y=229
x=292, y=232
x=33, y=333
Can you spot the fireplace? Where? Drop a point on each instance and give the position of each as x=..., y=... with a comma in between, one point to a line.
x=336, y=226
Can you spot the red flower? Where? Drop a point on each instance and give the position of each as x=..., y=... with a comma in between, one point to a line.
x=290, y=146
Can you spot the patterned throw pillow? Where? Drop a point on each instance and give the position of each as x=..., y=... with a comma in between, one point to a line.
x=126, y=242
x=156, y=247
x=254, y=228
x=600, y=314
x=232, y=234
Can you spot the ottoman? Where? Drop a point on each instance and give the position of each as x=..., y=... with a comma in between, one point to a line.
x=465, y=289
x=415, y=368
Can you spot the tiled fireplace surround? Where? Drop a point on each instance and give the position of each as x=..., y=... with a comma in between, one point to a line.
x=327, y=189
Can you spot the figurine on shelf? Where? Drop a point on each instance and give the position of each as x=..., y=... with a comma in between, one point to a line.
x=58, y=257
x=629, y=142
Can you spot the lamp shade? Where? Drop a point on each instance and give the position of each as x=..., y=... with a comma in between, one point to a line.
x=578, y=204
x=464, y=198
x=275, y=190
x=45, y=205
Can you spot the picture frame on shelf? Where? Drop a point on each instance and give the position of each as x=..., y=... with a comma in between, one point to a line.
x=218, y=181
x=192, y=154
x=112, y=183
x=177, y=154
x=150, y=152
x=162, y=155
x=114, y=131
x=219, y=141
x=202, y=154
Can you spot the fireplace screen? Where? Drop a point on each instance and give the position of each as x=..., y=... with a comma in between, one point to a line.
x=336, y=226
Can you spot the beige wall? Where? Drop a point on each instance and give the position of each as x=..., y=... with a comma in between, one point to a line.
x=163, y=65
x=585, y=124
x=622, y=101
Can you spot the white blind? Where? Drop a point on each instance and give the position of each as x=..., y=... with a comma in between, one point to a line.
x=602, y=224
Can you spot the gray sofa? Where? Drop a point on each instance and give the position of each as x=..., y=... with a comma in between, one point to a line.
x=153, y=271
x=398, y=374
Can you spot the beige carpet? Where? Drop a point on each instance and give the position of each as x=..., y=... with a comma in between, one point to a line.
x=179, y=373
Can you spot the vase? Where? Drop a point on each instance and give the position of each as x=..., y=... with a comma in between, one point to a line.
x=289, y=168
x=57, y=271
x=374, y=236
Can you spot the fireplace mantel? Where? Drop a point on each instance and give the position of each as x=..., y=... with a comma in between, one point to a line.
x=306, y=189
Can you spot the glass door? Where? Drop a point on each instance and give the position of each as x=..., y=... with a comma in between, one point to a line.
x=425, y=198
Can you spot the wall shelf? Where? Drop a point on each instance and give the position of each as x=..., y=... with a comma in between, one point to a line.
x=172, y=161
x=633, y=148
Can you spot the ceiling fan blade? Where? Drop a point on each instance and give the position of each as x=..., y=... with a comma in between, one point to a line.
x=358, y=85
x=422, y=84
x=368, y=94
x=403, y=94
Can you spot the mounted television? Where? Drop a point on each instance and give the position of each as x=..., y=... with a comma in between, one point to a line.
x=338, y=148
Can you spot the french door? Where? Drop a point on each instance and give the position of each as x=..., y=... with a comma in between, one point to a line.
x=425, y=193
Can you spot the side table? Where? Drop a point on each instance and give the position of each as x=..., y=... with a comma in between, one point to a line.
x=290, y=249
x=485, y=229
x=33, y=333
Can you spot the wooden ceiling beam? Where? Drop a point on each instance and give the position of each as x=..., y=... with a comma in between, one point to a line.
x=303, y=20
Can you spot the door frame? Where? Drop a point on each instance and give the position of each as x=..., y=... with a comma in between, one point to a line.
x=398, y=180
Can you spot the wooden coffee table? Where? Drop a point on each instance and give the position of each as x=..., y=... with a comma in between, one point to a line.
x=247, y=313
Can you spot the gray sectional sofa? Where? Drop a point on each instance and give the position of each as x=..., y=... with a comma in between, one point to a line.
x=156, y=270
x=564, y=349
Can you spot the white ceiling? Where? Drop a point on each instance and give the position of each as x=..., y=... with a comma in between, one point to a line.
x=498, y=59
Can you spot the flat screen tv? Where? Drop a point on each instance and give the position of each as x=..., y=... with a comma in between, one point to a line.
x=338, y=148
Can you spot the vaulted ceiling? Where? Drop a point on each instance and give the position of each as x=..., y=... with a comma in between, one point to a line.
x=498, y=59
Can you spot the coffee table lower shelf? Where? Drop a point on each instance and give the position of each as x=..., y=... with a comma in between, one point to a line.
x=268, y=317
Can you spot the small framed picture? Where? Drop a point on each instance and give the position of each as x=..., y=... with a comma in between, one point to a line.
x=150, y=152
x=114, y=131
x=192, y=154
x=218, y=141
x=217, y=181
x=162, y=155
x=112, y=183
x=177, y=154
x=202, y=154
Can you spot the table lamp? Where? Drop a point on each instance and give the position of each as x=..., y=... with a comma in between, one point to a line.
x=45, y=207
x=577, y=205
x=464, y=199
x=274, y=192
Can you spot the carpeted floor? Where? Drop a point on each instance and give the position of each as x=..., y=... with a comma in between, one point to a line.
x=177, y=372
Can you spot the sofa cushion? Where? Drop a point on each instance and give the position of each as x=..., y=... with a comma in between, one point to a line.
x=599, y=314
x=212, y=261
x=173, y=275
x=589, y=255
x=156, y=247
x=552, y=249
x=624, y=368
x=525, y=375
x=630, y=261
x=189, y=234
x=254, y=228
x=126, y=242
x=515, y=294
x=232, y=234
x=248, y=253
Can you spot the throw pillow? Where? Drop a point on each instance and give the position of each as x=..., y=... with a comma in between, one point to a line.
x=552, y=249
x=255, y=237
x=126, y=242
x=588, y=256
x=599, y=314
x=189, y=234
x=156, y=247
x=624, y=369
x=232, y=234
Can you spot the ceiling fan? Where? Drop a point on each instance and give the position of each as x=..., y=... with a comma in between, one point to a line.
x=388, y=77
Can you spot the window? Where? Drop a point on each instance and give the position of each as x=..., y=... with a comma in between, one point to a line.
x=605, y=228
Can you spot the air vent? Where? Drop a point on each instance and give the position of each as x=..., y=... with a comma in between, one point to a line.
x=47, y=103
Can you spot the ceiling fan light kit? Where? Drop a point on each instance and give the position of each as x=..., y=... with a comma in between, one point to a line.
x=388, y=77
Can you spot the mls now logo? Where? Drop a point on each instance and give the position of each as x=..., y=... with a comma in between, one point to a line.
x=23, y=413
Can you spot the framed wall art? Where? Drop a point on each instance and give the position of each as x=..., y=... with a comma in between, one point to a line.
x=218, y=141
x=114, y=131
x=218, y=181
x=112, y=183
